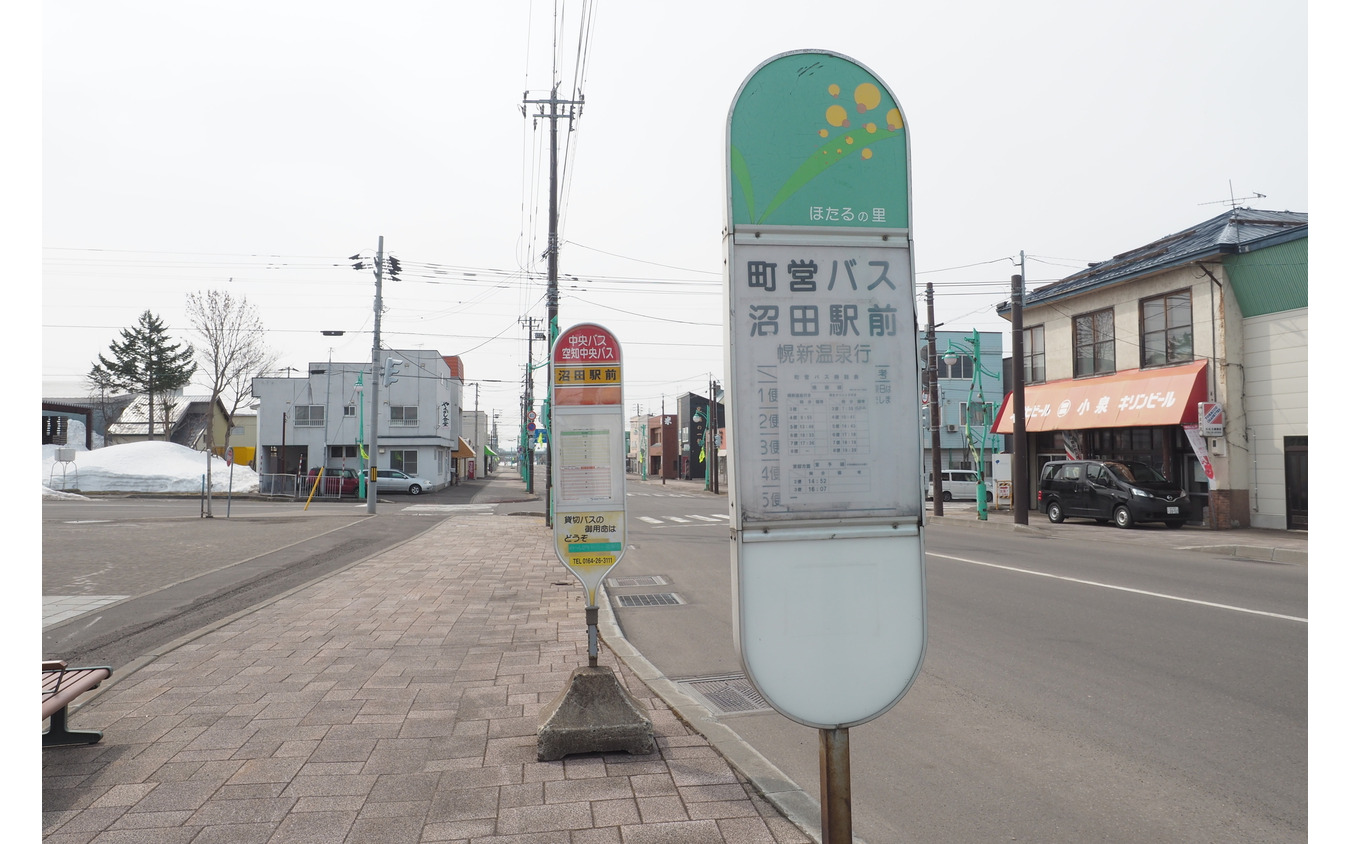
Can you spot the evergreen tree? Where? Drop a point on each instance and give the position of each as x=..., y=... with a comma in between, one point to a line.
x=145, y=361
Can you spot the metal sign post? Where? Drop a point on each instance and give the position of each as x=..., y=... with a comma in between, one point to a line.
x=827, y=509
x=594, y=713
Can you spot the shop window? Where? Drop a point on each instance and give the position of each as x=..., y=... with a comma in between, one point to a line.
x=1165, y=331
x=1033, y=355
x=1094, y=343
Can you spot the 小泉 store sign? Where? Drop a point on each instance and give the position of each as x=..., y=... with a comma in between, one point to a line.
x=1137, y=398
x=589, y=506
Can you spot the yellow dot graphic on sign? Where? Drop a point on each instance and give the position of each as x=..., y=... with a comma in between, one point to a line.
x=834, y=90
x=867, y=96
x=867, y=153
x=835, y=115
x=824, y=133
x=893, y=120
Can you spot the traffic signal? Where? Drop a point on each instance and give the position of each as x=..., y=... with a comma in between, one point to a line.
x=391, y=366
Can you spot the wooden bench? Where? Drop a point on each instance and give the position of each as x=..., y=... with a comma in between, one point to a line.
x=60, y=686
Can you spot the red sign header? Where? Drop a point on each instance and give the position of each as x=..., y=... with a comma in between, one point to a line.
x=585, y=343
x=587, y=367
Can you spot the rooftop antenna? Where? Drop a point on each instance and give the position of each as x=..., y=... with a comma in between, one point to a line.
x=1234, y=201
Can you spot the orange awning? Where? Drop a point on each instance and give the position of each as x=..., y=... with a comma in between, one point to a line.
x=462, y=450
x=1138, y=398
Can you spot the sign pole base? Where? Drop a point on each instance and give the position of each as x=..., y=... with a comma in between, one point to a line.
x=836, y=798
x=594, y=714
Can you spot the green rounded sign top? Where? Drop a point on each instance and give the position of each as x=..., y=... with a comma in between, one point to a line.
x=815, y=139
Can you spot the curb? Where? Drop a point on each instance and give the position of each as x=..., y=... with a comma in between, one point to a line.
x=799, y=807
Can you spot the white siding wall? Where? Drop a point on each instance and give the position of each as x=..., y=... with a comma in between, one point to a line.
x=1058, y=319
x=424, y=382
x=1276, y=390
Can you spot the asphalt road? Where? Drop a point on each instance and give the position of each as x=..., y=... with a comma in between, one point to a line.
x=1080, y=684
x=156, y=571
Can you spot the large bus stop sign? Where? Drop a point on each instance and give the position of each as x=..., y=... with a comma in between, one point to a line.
x=821, y=328
x=588, y=454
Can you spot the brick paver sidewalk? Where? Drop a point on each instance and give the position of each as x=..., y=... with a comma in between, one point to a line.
x=395, y=701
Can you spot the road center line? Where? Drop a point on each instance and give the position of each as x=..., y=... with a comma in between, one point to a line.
x=1119, y=588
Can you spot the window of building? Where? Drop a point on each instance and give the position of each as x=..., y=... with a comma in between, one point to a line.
x=339, y=452
x=405, y=461
x=979, y=414
x=1165, y=329
x=1094, y=343
x=309, y=415
x=403, y=415
x=1033, y=355
x=962, y=368
x=349, y=411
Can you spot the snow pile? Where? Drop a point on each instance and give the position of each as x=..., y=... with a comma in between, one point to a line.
x=140, y=467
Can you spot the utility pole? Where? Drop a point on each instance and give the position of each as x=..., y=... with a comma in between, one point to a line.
x=1021, y=480
x=553, y=115
x=371, y=456
x=372, y=480
x=934, y=430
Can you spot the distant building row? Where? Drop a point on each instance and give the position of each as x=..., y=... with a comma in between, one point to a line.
x=297, y=424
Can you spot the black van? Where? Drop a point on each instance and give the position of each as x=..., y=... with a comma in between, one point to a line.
x=1122, y=491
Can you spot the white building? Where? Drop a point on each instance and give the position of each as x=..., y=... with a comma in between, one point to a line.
x=474, y=424
x=325, y=419
x=1122, y=360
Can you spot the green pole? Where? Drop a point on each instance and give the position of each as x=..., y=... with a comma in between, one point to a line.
x=981, y=505
x=360, y=435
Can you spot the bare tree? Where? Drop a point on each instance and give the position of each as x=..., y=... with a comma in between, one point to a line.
x=101, y=384
x=232, y=351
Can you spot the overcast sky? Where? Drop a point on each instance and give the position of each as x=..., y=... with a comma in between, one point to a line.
x=253, y=147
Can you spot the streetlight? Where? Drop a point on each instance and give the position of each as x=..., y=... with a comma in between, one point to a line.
x=951, y=356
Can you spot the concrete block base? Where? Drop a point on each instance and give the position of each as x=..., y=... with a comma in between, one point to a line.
x=594, y=714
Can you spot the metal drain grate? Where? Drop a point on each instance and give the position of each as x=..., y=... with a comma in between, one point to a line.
x=727, y=694
x=639, y=580
x=658, y=599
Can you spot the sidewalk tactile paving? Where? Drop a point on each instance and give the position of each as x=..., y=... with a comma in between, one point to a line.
x=394, y=701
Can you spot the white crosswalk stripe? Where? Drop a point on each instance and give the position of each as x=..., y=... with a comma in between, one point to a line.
x=686, y=519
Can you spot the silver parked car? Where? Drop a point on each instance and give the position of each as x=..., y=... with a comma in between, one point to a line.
x=392, y=480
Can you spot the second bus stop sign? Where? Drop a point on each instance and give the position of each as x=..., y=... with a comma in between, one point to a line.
x=823, y=372
x=588, y=454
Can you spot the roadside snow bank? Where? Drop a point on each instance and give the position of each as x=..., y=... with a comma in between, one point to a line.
x=142, y=467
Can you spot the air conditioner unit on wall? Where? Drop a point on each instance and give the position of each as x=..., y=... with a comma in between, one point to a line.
x=951, y=429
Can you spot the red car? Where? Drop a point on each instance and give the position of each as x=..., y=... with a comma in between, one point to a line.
x=336, y=483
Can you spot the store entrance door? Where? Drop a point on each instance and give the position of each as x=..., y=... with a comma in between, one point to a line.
x=1296, y=483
